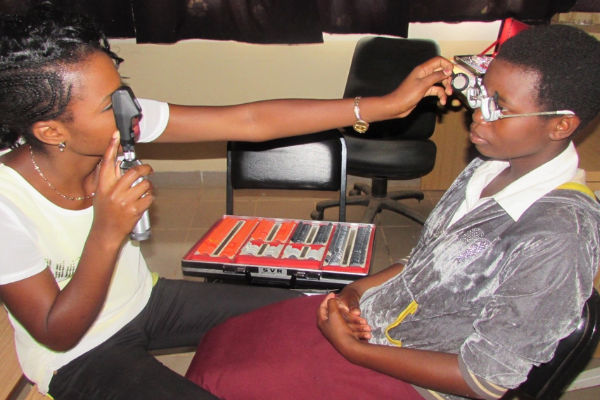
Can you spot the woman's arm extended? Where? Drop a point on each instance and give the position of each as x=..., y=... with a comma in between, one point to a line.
x=270, y=119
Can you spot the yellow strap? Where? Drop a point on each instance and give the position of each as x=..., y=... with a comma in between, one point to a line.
x=409, y=310
x=155, y=277
x=580, y=187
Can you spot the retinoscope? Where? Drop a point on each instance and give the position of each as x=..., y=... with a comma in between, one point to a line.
x=126, y=109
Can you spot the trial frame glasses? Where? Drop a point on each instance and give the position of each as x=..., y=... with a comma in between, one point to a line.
x=477, y=97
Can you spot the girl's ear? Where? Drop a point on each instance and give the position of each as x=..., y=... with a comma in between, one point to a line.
x=564, y=127
x=49, y=132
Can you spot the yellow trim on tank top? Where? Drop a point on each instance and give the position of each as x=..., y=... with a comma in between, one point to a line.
x=155, y=278
x=409, y=310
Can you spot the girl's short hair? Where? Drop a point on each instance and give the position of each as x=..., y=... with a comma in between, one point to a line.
x=568, y=62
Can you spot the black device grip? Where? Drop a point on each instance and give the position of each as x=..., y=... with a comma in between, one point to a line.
x=125, y=108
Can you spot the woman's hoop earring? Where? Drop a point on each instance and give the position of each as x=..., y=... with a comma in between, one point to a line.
x=62, y=146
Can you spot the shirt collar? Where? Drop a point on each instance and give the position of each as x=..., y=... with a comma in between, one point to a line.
x=522, y=193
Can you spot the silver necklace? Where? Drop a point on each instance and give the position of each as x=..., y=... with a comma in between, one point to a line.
x=64, y=196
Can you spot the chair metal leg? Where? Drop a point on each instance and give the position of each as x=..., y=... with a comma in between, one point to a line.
x=393, y=205
x=375, y=205
x=376, y=197
x=406, y=194
x=360, y=188
x=373, y=208
x=318, y=213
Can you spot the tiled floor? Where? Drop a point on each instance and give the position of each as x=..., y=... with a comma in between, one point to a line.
x=188, y=203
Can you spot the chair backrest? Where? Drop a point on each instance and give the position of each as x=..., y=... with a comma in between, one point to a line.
x=310, y=162
x=379, y=65
x=548, y=381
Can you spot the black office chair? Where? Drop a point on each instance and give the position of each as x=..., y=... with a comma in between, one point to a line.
x=397, y=149
x=310, y=162
x=549, y=381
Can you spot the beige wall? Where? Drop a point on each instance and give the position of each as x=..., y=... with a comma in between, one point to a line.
x=222, y=72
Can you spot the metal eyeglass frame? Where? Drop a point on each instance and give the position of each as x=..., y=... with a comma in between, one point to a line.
x=477, y=97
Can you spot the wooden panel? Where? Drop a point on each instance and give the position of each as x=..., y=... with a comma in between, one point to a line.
x=451, y=137
x=33, y=394
x=588, y=147
x=10, y=372
x=454, y=151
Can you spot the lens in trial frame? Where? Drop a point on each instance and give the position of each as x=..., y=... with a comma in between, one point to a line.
x=460, y=81
x=490, y=110
x=474, y=96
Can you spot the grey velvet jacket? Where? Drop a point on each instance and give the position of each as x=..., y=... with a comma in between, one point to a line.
x=499, y=293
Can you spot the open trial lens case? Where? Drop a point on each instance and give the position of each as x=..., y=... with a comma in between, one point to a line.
x=288, y=252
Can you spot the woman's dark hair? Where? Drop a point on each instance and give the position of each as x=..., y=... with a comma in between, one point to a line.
x=568, y=62
x=35, y=50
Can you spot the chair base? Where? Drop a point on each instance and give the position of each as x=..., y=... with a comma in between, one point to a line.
x=376, y=200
